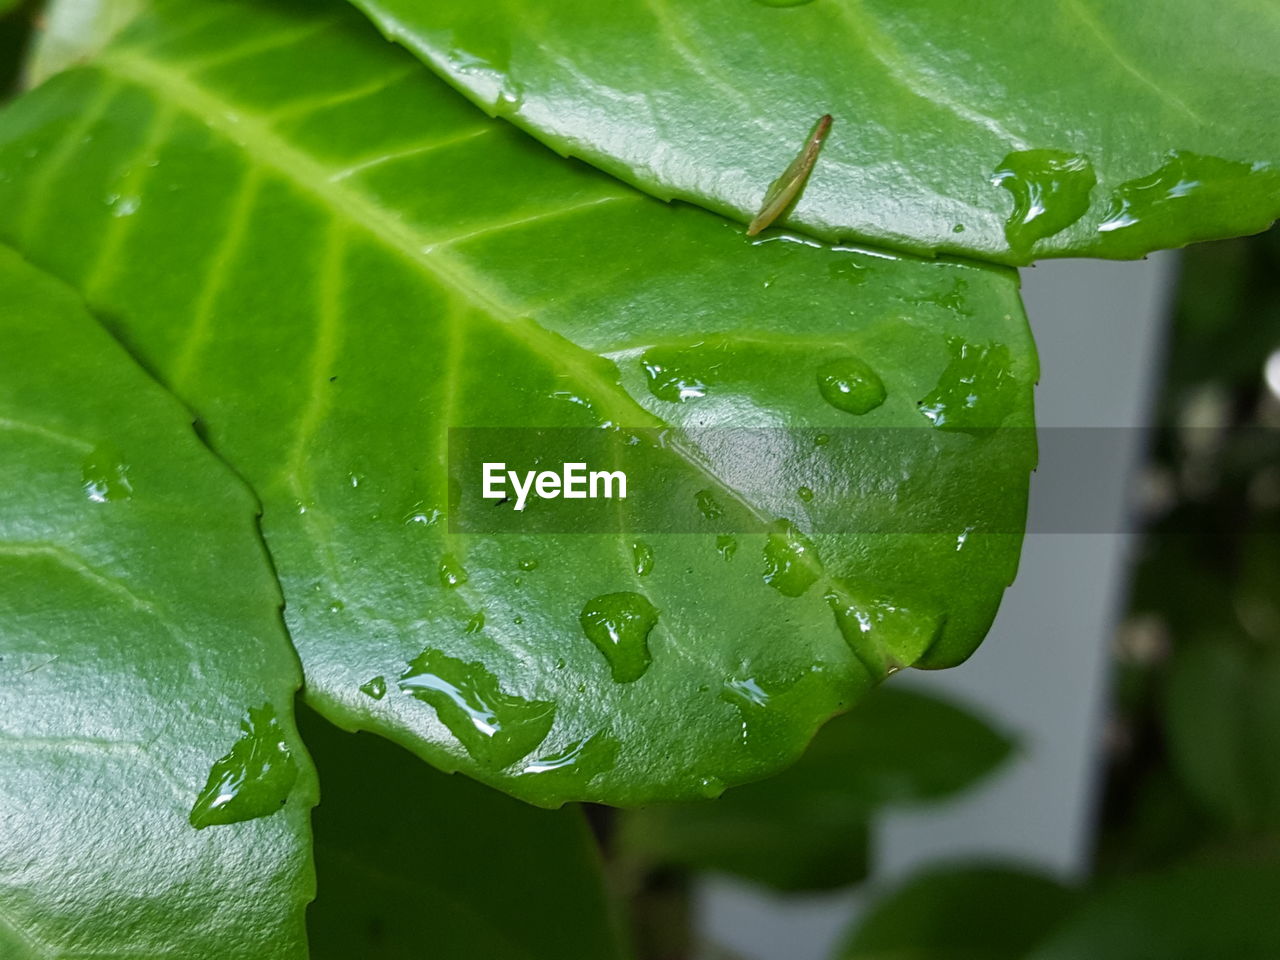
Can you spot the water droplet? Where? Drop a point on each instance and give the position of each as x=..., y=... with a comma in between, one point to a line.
x=510, y=98
x=712, y=787
x=476, y=623
x=883, y=634
x=958, y=228
x=669, y=377
x=726, y=546
x=423, y=515
x=1050, y=191
x=963, y=538
x=821, y=440
x=336, y=605
x=975, y=391
x=528, y=564
x=105, y=476
x=747, y=692
x=953, y=299
x=582, y=757
x=1183, y=176
x=123, y=206
x=708, y=506
x=619, y=624
x=850, y=385
x=805, y=494
x=452, y=573
x=375, y=688
x=495, y=727
x=750, y=698
x=251, y=781
x=791, y=564
x=642, y=556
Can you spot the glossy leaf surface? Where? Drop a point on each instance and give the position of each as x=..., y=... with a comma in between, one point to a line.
x=806, y=828
x=962, y=912
x=995, y=130
x=146, y=683
x=333, y=259
x=412, y=863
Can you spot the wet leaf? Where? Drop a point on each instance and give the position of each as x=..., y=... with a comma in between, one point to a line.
x=139, y=628
x=334, y=259
x=1079, y=128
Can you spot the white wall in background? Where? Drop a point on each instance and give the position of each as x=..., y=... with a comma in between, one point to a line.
x=1041, y=674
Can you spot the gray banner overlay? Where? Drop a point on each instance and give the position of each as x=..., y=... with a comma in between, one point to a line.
x=828, y=481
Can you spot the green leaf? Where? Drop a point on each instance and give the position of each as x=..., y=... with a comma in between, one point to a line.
x=962, y=912
x=1084, y=128
x=806, y=828
x=1222, y=724
x=334, y=259
x=140, y=642
x=412, y=863
x=1188, y=914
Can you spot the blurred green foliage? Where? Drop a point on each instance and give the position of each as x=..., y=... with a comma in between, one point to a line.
x=962, y=912
x=1195, y=745
x=1188, y=858
x=807, y=828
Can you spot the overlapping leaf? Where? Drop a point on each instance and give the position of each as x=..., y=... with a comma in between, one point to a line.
x=807, y=827
x=411, y=863
x=334, y=259
x=154, y=794
x=996, y=130
x=962, y=912
x=1199, y=910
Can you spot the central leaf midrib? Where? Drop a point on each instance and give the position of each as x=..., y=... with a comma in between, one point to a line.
x=254, y=135
x=250, y=132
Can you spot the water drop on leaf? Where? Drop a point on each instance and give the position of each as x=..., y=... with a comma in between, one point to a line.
x=975, y=391
x=642, y=556
x=791, y=564
x=251, y=781
x=708, y=506
x=883, y=634
x=105, y=476
x=452, y=573
x=1050, y=191
x=850, y=385
x=497, y=728
x=668, y=377
x=619, y=624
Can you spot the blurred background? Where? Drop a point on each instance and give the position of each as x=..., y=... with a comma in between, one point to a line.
x=1134, y=669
